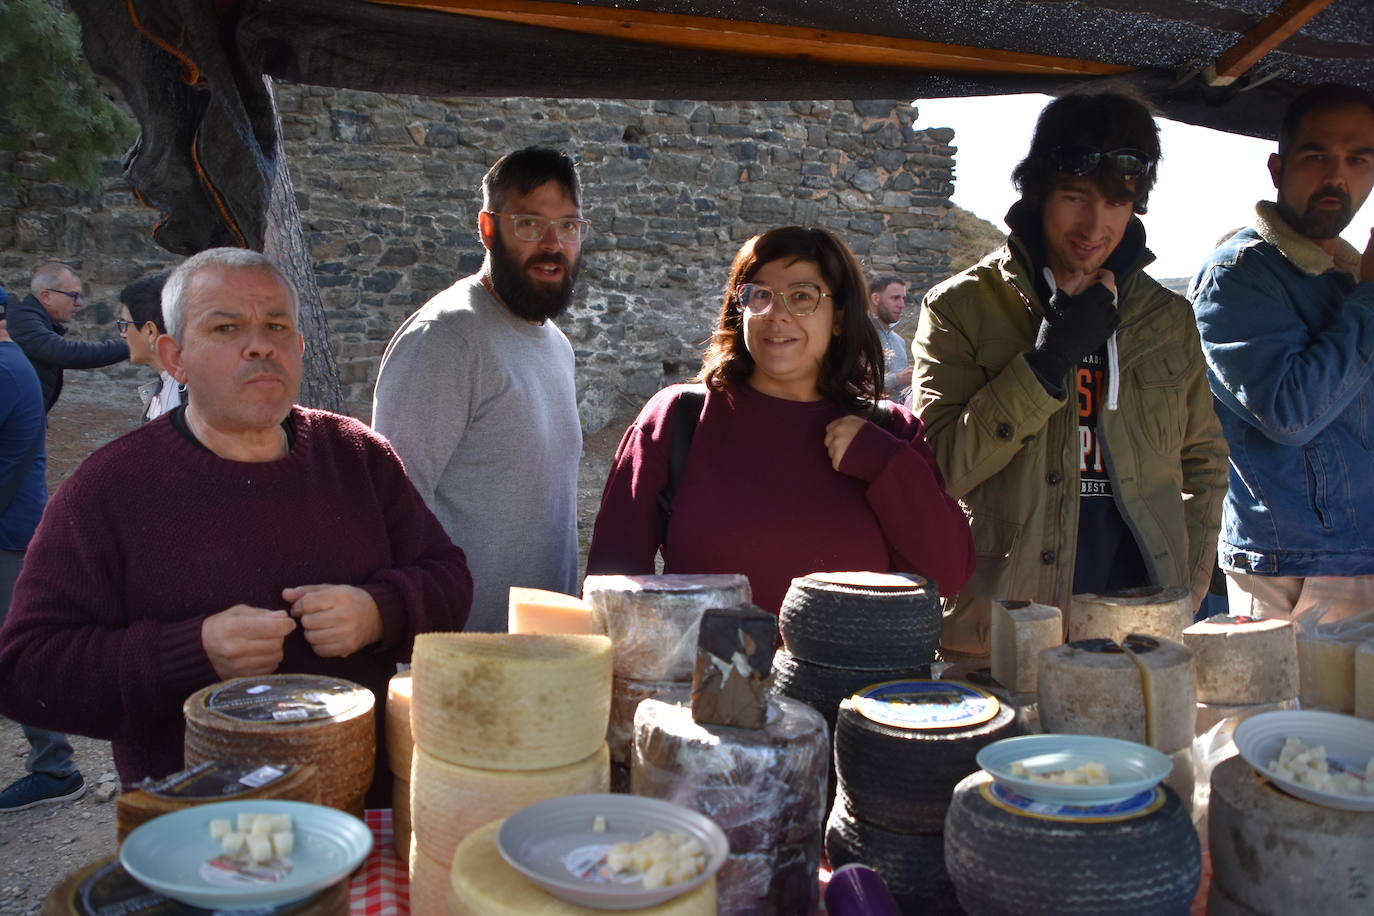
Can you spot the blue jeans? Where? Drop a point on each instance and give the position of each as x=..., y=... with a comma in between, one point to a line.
x=49, y=752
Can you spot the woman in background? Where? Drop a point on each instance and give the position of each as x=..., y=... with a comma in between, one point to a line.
x=792, y=469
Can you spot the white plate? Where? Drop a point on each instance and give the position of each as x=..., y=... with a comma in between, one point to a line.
x=167, y=854
x=552, y=844
x=1131, y=768
x=1349, y=743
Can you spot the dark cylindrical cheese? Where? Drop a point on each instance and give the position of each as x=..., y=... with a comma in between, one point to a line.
x=1243, y=660
x=861, y=620
x=292, y=718
x=1279, y=855
x=214, y=782
x=626, y=695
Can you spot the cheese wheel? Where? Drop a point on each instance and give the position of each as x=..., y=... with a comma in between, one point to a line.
x=534, y=610
x=1210, y=715
x=482, y=883
x=450, y=801
x=1152, y=610
x=429, y=888
x=1364, y=680
x=764, y=787
x=1279, y=855
x=214, y=782
x=1143, y=693
x=303, y=719
x=1020, y=631
x=401, y=829
x=654, y=620
x=500, y=701
x=782, y=881
x=861, y=619
x=1243, y=660
x=1183, y=777
x=399, y=743
x=626, y=695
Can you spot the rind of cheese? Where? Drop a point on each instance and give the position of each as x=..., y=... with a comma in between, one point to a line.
x=401, y=828
x=501, y=701
x=626, y=695
x=1020, y=631
x=1155, y=611
x=429, y=883
x=1364, y=680
x=450, y=801
x=1243, y=661
x=1326, y=666
x=400, y=744
x=535, y=610
x=481, y=883
x=654, y=621
x=1166, y=677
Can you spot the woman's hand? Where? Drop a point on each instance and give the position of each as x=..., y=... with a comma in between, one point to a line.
x=838, y=434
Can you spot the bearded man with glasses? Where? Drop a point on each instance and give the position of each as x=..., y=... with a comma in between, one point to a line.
x=476, y=389
x=38, y=323
x=1063, y=390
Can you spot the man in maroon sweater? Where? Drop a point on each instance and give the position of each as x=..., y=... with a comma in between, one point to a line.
x=237, y=535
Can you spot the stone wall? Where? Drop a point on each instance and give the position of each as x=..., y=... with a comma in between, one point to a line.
x=389, y=189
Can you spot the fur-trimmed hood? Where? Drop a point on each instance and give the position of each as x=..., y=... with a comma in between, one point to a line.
x=1305, y=254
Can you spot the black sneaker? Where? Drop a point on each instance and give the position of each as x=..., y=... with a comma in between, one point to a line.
x=41, y=789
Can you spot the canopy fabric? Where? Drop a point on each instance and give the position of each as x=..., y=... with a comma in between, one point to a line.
x=197, y=75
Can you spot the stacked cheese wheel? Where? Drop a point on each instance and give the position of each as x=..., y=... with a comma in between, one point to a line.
x=214, y=782
x=1242, y=666
x=303, y=719
x=1154, y=610
x=653, y=622
x=482, y=883
x=764, y=787
x=400, y=750
x=500, y=721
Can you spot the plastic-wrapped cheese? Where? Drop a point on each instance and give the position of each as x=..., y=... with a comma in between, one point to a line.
x=450, y=801
x=504, y=701
x=764, y=787
x=626, y=695
x=1364, y=680
x=482, y=883
x=1142, y=694
x=1274, y=853
x=1153, y=610
x=1020, y=630
x=654, y=620
x=1243, y=660
x=1326, y=661
x=534, y=610
x=399, y=743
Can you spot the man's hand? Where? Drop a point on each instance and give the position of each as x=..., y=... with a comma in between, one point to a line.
x=838, y=434
x=1073, y=327
x=245, y=641
x=904, y=378
x=1076, y=283
x=1367, y=262
x=338, y=619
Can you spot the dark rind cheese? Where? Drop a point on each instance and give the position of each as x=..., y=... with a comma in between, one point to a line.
x=626, y=695
x=779, y=882
x=912, y=864
x=214, y=782
x=764, y=787
x=734, y=667
x=861, y=620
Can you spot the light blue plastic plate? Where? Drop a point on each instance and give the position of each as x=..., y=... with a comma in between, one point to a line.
x=166, y=854
x=1131, y=768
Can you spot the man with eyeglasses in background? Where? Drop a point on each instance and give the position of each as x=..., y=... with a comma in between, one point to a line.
x=476, y=389
x=1064, y=391
x=38, y=323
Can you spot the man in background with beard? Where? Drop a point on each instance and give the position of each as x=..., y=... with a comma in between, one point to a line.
x=1286, y=313
x=476, y=390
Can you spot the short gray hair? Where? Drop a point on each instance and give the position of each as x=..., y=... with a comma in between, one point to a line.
x=174, y=293
x=48, y=276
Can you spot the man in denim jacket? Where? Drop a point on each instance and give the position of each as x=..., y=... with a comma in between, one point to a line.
x=1286, y=313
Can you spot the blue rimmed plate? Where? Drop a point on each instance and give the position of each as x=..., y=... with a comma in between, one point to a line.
x=1131, y=768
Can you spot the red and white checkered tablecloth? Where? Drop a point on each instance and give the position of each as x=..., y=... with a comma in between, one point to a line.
x=382, y=886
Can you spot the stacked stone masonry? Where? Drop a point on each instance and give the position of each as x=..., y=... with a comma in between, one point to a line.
x=389, y=188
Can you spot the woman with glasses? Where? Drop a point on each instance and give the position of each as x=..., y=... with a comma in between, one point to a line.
x=792, y=468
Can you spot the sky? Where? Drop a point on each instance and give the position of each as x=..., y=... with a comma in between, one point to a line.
x=1208, y=180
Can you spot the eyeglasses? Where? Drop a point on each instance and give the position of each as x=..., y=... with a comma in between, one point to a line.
x=531, y=228
x=125, y=323
x=75, y=297
x=800, y=299
x=1084, y=160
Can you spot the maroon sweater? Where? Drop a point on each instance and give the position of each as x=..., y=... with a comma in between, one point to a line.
x=153, y=533
x=758, y=496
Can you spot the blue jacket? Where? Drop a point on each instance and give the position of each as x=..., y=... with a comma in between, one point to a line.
x=1288, y=335
x=42, y=341
x=21, y=448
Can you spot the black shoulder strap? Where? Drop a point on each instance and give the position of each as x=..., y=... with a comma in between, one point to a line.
x=685, y=413
x=882, y=414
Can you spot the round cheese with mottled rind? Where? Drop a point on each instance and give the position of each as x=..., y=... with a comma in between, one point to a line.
x=399, y=743
x=1240, y=661
x=1277, y=854
x=429, y=887
x=654, y=621
x=504, y=701
x=449, y=801
x=482, y=883
x=1092, y=687
x=1153, y=610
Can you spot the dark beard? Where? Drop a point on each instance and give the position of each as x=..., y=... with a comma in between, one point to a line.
x=522, y=296
x=1320, y=224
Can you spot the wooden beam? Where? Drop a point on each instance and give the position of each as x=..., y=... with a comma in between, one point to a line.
x=1272, y=31
x=760, y=39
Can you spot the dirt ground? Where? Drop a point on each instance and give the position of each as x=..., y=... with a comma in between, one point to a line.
x=40, y=846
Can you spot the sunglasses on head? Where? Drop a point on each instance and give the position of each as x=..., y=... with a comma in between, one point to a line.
x=1084, y=160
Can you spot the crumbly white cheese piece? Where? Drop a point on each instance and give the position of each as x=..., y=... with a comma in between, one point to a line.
x=1307, y=766
x=660, y=858
x=1091, y=773
x=260, y=836
x=219, y=827
x=599, y=824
